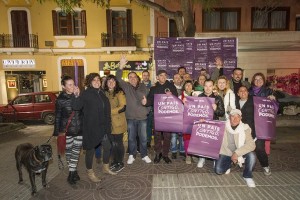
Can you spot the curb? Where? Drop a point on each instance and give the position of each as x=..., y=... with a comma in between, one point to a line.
x=9, y=127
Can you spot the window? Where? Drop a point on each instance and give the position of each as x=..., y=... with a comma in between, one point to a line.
x=298, y=23
x=270, y=19
x=172, y=28
x=42, y=98
x=23, y=99
x=69, y=24
x=222, y=19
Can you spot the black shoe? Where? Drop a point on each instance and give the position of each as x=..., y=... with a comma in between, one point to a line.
x=157, y=158
x=71, y=180
x=119, y=167
x=148, y=144
x=182, y=154
x=113, y=165
x=174, y=155
x=167, y=159
x=76, y=176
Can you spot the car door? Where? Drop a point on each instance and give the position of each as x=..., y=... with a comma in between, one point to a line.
x=43, y=103
x=23, y=107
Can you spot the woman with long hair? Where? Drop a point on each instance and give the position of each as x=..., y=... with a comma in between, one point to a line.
x=69, y=122
x=96, y=122
x=117, y=100
x=222, y=88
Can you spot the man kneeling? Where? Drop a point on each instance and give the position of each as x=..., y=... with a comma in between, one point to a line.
x=237, y=147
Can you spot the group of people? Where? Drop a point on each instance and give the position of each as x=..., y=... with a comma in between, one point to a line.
x=100, y=115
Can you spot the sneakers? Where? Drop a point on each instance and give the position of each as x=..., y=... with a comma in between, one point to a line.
x=146, y=159
x=118, y=167
x=130, y=159
x=250, y=182
x=267, y=171
x=201, y=162
x=167, y=159
x=228, y=171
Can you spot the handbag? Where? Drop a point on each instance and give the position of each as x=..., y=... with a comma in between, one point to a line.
x=61, y=139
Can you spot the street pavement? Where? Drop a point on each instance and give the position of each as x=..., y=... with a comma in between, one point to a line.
x=176, y=181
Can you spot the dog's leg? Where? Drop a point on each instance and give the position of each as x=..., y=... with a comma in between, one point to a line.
x=19, y=168
x=44, y=174
x=32, y=181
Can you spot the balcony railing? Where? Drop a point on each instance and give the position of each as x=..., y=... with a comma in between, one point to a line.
x=20, y=41
x=117, y=40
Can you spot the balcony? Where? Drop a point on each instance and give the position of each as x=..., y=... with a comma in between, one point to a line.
x=118, y=42
x=167, y=34
x=21, y=43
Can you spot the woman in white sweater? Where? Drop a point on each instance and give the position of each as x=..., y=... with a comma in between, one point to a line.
x=222, y=88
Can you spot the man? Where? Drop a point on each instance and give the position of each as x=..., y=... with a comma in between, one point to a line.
x=161, y=87
x=181, y=71
x=237, y=147
x=178, y=83
x=146, y=80
x=218, y=108
x=245, y=104
x=136, y=113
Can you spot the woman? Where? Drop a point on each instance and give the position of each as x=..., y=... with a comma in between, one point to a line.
x=117, y=100
x=258, y=88
x=187, y=91
x=96, y=122
x=199, y=84
x=222, y=88
x=69, y=122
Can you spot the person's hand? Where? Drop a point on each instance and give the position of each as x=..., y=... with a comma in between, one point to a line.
x=76, y=91
x=144, y=100
x=123, y=61
x=214, y=106
x=201, y=120
x=272, y=97
x=61, y=133
x=184, y=100
x=234, y=158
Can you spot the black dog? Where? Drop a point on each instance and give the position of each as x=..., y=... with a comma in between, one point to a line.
x=36, y=161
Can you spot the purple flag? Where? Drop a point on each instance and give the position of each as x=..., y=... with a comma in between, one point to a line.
x=207, y=138
x=168, y=113
x=76, y=73
x=196, y=108
x=265, y=111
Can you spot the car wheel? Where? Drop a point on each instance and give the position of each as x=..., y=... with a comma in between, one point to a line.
x=49, y=118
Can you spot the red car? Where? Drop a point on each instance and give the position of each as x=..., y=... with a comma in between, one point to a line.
x=30, y=106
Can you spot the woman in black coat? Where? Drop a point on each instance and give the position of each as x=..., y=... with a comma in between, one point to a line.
x=69, y=122
x=96, y=121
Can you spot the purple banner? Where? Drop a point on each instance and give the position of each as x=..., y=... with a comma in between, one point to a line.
x=196, y=108
x=168, y=113
x=206, y=139
x=76, y=73
x=265, y=111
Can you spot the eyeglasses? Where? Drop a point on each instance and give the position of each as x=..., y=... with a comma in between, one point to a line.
x=258, y=79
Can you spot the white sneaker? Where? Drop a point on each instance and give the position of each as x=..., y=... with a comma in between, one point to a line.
x=267, y=171
x=250, y=182
x=130, y=159
x=228, y=171
x=146, y=159
x=201, y=162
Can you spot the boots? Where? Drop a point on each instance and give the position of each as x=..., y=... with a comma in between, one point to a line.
x=76, y=176
x=106, y=170
x=91, y=176
x=71, y=179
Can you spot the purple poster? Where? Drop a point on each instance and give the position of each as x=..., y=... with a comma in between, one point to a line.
x=265, y=111
x=206, y=139
x=168, y=113
x=196, y=108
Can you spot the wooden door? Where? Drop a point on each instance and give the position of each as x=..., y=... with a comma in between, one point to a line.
x=20, y=32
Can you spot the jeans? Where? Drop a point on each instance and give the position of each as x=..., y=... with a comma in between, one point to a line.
x=162, y=142
x=224, y=163
x=135, y=127
x=261, y=153
x=174, y=146
x=150, y=126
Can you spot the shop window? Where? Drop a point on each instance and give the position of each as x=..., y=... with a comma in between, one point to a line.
x=69, y=24
x=270, y=19
x=222, y=19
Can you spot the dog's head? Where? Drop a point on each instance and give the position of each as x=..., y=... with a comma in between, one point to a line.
x=43, y=152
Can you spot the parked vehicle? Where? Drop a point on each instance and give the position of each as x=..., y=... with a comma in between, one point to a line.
x=30, y=106
x=289, y=104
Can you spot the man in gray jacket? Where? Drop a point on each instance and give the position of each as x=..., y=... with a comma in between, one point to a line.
x=136, y=113
x=237, y=147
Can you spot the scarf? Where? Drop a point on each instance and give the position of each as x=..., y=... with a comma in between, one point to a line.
x=240, y=129
x=256, y=90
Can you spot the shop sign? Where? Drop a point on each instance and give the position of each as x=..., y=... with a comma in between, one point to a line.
x=18, y=63
x=131, y=65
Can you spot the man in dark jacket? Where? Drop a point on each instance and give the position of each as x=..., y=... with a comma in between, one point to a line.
x=218, y=108
x=161, y=87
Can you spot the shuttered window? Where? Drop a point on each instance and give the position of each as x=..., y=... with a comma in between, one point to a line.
x=69, y=24
x=119, y=23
